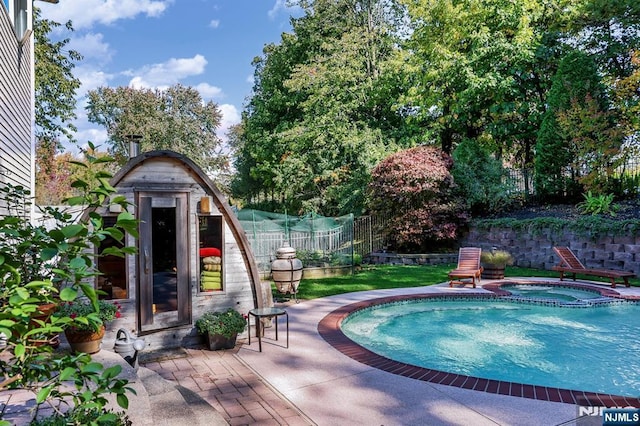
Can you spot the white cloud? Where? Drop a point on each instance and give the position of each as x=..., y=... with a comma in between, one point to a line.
x=208, y=91
x=215, y=23
x=91, y=79
x=230, y=116
x=281, y=6
x=167, y=73
x=96, y=135
x=277, y=7
x=87, y=132
x=86, y=13
x=91, y=46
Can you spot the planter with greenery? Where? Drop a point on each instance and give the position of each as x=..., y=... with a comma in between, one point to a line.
x=221, y=328
x=86, y=331
x=494, y=263
x=41, y=265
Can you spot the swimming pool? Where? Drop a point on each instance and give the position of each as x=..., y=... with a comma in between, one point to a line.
x=593, y=349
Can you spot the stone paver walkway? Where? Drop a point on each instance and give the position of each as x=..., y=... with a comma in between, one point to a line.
x=230, y=386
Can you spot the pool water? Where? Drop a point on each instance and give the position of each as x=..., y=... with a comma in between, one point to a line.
x=543, y=292
x=594, y=349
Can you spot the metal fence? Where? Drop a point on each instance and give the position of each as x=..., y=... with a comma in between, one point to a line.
x=319, y=241
x=522, y=180
x=367, y=231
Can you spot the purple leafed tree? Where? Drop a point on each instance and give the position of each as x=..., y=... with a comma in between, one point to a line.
x=415, y=191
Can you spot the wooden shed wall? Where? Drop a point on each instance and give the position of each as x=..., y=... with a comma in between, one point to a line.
x=15, y=107
x=166, y=175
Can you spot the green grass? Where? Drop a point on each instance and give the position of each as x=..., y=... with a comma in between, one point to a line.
x=373, y=278
x=386, y=277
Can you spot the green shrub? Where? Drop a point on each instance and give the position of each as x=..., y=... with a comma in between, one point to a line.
x=85, y=416
x=308, y=257
x=624, y=186
x=42, y=266
x=598, y=204
x=496, y=257
x=592, y=227
x=88, y=318
x=226, y=323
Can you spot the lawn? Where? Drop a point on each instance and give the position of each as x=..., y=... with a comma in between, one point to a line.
x=377, y=277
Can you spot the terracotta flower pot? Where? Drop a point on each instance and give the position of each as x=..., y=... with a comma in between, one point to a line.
x=45, y=310
x=43, y=314
x=86, y=341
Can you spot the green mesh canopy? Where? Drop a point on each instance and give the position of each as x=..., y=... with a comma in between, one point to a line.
x=317, y=239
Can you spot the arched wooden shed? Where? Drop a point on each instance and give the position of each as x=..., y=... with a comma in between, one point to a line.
x=192, y=257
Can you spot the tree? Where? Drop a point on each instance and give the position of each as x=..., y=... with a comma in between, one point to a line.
x=56, y=172
x=626, y=97
x=479, y=177
x=55, y=85
x=562, y=150
x=414, y=190
x=609, y=31
x=322, y=115
x=595, y=141
x=175, y=119
x=53, y=175
x=271, y=110
x=481, y=70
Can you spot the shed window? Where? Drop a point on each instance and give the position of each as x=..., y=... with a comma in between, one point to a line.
x=210, y=253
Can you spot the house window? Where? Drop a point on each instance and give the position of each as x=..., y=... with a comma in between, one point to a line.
x=113, y=278
x=210, y=253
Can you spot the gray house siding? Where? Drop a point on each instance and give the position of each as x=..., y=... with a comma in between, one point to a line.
x=16, y=111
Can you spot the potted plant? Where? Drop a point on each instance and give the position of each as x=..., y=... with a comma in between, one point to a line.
x=494, y=263
x=221, y=328
x=86, y=330
x=44, y=265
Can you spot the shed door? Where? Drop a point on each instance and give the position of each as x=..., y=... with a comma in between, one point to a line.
x=165, y=298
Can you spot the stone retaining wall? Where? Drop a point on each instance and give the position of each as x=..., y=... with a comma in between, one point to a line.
x=379, y=258
x=536, y=250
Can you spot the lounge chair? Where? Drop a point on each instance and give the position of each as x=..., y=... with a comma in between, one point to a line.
x=468, y=266
x=569, y=263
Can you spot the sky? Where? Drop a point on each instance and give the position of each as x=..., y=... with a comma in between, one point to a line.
x=205, y=44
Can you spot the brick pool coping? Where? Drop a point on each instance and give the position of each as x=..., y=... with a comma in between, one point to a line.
x=329, y=329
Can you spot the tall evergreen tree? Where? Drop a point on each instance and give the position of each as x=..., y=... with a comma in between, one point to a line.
x=575, y=83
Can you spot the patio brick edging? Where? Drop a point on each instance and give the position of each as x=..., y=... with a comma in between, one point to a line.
x=329, y=329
